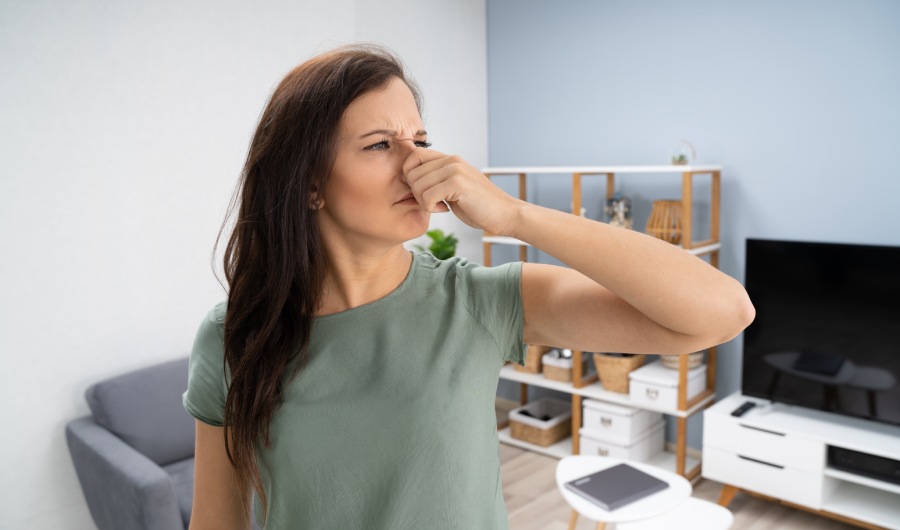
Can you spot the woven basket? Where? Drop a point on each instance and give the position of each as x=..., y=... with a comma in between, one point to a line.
x=665, y=221
x=613, y=371
x=557, y=373
x=533, y=362
x=538, y=436
x=671, y=361
x=563, y=373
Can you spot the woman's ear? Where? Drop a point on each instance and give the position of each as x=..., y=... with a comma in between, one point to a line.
x=315, y=202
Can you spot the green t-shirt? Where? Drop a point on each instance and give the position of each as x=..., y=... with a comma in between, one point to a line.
x=392, y=424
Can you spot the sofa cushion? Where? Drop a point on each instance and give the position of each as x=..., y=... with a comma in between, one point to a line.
x=182, y=474
x=144, y=409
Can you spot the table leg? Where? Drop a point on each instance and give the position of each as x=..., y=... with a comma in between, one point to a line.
x=728, y=493
x=601, y=525
x=573, y=519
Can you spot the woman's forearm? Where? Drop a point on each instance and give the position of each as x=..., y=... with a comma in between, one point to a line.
x=666, y=283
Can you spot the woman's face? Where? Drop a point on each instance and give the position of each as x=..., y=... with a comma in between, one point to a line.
x=378, y=131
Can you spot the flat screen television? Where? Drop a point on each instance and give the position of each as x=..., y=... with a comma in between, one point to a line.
x=827, y=329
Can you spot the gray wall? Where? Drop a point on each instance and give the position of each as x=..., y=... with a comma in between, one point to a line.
x=797, y=100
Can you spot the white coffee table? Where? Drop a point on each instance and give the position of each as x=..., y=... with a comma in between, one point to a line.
x=575, y=466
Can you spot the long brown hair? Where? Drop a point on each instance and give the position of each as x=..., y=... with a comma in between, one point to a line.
x=274, y=262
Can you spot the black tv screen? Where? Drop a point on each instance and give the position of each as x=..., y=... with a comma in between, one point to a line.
x=827, y=329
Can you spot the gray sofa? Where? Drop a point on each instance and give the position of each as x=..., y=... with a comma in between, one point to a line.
x=134, y=455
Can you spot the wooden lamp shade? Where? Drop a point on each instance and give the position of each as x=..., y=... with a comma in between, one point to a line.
x=665, y=221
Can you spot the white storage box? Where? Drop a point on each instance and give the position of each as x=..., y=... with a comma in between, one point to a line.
x=534, y=429
x=645, y=447
x=617, y=422
x=655, y=385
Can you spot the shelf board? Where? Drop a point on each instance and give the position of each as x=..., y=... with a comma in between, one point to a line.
x=510, y=170
x=663, y=460
x=864, y=481
x=505, y=240
x=596, y=391
x=869, y=505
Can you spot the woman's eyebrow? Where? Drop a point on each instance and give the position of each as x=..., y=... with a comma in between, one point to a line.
x=386, y=132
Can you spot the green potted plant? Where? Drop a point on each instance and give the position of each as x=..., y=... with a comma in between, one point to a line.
x=442, y=246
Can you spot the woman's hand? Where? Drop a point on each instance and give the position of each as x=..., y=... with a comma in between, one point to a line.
x=434, y=177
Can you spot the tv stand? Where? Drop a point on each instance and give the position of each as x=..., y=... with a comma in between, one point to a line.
x=780, y=451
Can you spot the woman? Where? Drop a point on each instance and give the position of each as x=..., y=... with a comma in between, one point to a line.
x=350, y=383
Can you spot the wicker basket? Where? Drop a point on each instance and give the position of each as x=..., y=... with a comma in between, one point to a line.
x=533, y=363
x=558, y=427
x=665, y=221
x=671, y=361
x=613, y=371
x=562, y=369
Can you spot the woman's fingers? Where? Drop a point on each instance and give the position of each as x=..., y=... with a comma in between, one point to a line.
x=423, y=163
x=435, y=187
x=420, y=161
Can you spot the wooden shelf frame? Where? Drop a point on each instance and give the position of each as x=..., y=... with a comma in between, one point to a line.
x=686, y=407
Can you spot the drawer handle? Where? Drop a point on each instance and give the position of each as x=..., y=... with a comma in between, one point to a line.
x=761, y=430
x=760, y=461
x=606, y=422
x=652, y=393
x=602, y=452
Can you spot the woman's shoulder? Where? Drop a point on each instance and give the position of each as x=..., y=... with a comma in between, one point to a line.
x=471, y=275
x=450, y=264
x=216, y=315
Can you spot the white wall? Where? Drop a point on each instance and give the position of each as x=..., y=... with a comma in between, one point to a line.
x=124, y=129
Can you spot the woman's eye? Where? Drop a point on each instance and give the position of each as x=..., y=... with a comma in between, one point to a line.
x=378, y=146
x=382, y=145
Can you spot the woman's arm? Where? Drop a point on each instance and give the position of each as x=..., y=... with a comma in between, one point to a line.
x=626, y=291
x=649, y=285
x=217, y=504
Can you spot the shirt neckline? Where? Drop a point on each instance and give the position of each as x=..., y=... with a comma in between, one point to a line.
x=410, y=275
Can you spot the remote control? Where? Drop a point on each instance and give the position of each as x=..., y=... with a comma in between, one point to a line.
x=747, y=405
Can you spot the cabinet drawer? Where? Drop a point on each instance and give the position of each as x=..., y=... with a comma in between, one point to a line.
x=618, y=422
x=787, y=450
x=785, y=483
x=642, y=449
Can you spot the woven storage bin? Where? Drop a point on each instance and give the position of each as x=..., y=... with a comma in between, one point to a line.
x=533, y=356
x=671, y=361
x=665, y=221
x=561, y=369
x=613, y=371
x=537, y=431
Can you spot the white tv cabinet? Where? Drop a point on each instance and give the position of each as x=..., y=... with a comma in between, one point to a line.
x=779, y=451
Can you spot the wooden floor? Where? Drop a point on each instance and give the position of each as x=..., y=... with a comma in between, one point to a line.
x=534, y=502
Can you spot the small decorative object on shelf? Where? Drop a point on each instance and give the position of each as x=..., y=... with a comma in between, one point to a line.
x=683, y=154
x=671, y=361
x=665, y=221
x=442, y=247
x=613, y=369
x=618, y=211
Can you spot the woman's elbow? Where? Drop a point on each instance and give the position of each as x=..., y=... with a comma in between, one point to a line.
x=742, y=313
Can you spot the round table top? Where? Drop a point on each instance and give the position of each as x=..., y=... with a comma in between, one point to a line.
x=572, y=467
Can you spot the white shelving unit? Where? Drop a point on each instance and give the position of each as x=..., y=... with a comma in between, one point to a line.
x=590, y=387
x=596, y=391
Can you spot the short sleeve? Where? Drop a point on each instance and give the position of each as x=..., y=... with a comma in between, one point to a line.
x=207, y=388
x=494, y=296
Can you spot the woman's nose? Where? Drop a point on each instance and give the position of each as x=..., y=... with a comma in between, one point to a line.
x=412, y=141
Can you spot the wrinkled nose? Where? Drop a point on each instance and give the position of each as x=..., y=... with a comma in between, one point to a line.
x=412, y=141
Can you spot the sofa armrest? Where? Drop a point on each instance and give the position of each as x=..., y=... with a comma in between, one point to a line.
x=123, y=488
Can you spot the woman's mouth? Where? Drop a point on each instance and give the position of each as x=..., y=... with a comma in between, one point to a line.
x=408, y=199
